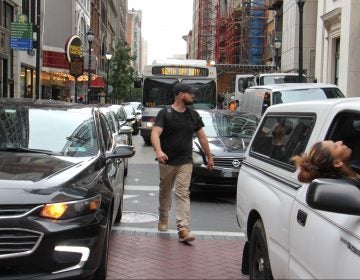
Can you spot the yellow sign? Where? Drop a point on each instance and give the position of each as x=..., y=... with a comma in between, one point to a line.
x=180, y=71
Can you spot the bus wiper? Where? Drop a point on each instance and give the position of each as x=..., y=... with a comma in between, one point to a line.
x=27, y=150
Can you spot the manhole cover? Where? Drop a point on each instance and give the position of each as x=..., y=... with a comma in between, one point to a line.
x=138, y=217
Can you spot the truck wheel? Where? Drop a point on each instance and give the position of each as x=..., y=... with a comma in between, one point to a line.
x=259, y=263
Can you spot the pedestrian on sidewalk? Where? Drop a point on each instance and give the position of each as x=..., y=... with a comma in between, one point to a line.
x=171, y=137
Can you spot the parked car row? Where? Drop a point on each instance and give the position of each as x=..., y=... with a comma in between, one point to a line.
x=61, y=188
x=133, y=111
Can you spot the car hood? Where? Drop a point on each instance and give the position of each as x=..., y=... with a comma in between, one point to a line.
x=225, y=146
x=36, y=178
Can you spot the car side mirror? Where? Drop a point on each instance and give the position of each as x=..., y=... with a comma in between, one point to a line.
x=121, y=151
x=334, y=195
x=125, y=129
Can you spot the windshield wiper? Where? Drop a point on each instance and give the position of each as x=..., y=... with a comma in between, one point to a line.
x=27, y=150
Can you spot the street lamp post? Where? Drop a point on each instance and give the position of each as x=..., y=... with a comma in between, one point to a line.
x=277, y=46
x=90, y=38
x=300, y=4
x=108, y=56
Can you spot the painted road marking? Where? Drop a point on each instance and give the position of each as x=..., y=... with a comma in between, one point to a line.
x=172, y=231
x=141, y=188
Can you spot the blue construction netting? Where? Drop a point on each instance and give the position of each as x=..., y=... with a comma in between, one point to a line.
x=256, y=32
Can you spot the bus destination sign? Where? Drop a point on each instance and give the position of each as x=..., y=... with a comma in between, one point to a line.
x=180, y=71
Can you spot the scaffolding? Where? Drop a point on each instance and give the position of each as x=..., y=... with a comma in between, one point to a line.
x=221, y=14
x=207, y=29
x=240, y=32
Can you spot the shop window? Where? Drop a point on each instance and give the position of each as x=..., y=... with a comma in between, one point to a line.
x=27, y=83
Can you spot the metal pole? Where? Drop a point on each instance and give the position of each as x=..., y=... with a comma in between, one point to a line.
x=89, y=75
x=38, y=48
x=107, y=80
x=301, y=9
x=76, y=90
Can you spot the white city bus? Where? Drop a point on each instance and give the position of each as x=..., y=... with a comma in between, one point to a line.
x=159, y=80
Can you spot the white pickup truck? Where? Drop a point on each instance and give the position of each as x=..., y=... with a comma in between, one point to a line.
x=296, y=230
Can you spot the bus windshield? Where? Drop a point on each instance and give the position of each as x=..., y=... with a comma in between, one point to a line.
x=158, y=92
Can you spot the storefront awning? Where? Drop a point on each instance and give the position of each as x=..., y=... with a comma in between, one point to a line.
x=98, y=82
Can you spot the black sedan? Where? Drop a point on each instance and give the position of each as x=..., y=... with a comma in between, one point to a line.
x=228, y=133
x=61, y=189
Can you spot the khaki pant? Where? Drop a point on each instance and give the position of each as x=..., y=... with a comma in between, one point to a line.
x=178, y=176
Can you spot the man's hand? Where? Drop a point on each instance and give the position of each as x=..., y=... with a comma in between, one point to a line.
x=210, y=163
x=161, y=157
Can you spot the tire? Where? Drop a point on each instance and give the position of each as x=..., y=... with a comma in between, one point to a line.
x=101, y=272
x=126, y=164
x=121, y=205
x=259, y=262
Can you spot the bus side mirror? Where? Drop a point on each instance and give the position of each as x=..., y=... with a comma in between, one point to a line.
x=137, y=83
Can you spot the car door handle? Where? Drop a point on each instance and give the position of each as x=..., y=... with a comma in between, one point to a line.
x=301, y=217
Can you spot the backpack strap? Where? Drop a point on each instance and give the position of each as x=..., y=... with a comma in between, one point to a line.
x=169, y=114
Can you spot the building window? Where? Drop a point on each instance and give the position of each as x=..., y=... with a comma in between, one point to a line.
x=29, y=9
x=8, y=15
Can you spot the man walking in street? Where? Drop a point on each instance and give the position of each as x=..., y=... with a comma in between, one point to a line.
x=171, y=138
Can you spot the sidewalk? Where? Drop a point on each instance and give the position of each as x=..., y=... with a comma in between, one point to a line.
x=155, y=255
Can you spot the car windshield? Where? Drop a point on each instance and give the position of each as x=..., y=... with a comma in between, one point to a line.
x=65, y=132
x=228, y=125
x=288, y=96
x=129, y=110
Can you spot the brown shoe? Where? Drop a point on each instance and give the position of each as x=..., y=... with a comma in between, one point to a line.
x=186, y=236
x=163, y=224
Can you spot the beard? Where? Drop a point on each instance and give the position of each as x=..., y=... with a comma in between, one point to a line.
x=188, y=102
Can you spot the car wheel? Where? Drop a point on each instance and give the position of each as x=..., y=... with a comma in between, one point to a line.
x=121, y=206
x=258, y=255
x=136, y=131
x=101, y=272
x=126, y=167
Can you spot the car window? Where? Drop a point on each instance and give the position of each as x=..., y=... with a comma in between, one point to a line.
x=281, y=137
x=346, y=127
x=119, y=112
x=288, y=96
x=110, y=122
x=130, y=111
x=106, y=132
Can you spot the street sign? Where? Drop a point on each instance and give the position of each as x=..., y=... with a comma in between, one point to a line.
x=21, y=35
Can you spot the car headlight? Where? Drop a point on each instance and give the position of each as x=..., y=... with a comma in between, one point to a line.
x=70, y=209
x=149, y=124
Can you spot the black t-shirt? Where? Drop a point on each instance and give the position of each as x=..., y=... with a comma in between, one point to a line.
x=177, y=136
